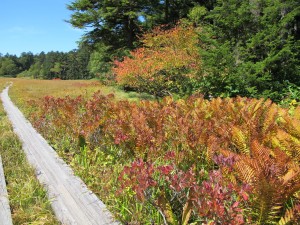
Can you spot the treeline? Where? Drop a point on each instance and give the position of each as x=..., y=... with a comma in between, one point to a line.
x=213, y=47
x=51, y=65
x=244, y=47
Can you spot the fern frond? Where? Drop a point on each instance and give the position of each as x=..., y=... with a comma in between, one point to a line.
x=264, y=158
x=240, y=141
x=290, y=175
x=287, y=143
x=258, y=151
x=246, y=173
x=294, y=150
x=292, y=126
x=270, y=118
x=212, y=148
x=256, y=106
x=274, y=177
x=288, y=216
x=297, y=113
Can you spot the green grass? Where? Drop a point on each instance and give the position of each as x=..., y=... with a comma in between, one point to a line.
x=28, y=199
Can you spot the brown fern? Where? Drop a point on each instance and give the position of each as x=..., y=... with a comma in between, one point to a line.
x=291, y=125
x=287, y=143
x=273, y=176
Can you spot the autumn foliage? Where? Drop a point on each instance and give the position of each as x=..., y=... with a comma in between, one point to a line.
x=167, y=62
x=223, y=161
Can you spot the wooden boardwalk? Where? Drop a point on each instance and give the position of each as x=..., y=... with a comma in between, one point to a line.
x=72, y=202
x=5, y=214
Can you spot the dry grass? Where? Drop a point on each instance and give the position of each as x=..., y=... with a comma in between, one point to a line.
x=28, y=89
x=4, y=82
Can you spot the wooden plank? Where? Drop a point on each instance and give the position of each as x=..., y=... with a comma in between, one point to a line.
x=71, y=200
x=5, y=214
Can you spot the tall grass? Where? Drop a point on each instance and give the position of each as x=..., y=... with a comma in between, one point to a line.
x=24, y=90
x=28, y=199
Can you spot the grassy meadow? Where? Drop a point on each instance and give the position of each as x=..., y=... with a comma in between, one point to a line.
x=192, y=161
x=24, y=90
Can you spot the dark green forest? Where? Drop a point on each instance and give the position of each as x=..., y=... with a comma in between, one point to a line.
x=51, y=65
x=247, y=47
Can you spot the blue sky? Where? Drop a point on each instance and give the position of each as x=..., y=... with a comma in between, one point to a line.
x=36, y=26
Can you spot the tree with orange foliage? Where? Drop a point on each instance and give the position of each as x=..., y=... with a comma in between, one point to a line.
x=167, y=63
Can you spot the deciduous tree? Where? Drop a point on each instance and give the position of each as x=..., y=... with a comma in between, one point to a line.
x=167, y=63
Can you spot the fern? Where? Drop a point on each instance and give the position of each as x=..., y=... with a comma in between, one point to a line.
x=287, y=218
x=269, y=123
x=297, y=113
x=246, y=172
x=273, y=176
x=291, y=125
x=288, y=143
x=291, y=216
x=240, y=140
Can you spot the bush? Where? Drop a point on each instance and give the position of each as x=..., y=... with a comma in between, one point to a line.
x=167, y=63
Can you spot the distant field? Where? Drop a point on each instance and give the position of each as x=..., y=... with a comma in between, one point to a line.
x=29, y=89
x=4, y=82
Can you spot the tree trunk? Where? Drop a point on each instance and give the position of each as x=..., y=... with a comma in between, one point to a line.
x=129, y=29
x=167, y=6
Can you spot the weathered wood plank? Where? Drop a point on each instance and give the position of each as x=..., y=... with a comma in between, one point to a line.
x=5, y=214
x=72, y=202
